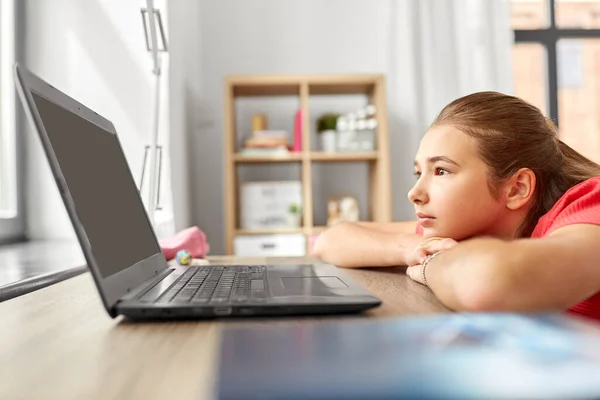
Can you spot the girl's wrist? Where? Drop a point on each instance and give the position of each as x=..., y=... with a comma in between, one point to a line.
x=425, y=264
x=409, y=249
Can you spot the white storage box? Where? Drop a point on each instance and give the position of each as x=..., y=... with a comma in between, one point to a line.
x=266, y=205
x=279, y=245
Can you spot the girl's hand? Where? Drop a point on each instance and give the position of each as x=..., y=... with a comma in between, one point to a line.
x=425, y=249
x=428, y=247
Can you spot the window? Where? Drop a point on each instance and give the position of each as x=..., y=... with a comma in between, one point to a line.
x=529, y=69
x=556, y=60
x=11, y=218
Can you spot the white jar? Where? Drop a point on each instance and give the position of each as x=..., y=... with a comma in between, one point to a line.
x=328, y=143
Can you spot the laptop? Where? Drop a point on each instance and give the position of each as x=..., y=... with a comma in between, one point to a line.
x=121, y=248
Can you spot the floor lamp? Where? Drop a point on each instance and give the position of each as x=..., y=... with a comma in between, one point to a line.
x=152, y=23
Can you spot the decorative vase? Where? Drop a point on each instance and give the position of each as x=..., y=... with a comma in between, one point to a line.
x=293, y=220
x=328, y=142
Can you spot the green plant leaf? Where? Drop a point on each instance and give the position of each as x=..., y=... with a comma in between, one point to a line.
x=327, y=122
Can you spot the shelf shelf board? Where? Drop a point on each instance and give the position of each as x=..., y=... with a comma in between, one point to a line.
x=350, y=156
x=333, y=89
x=292, y=157
x=265, y=86
x=353, y=84
x=260, y=90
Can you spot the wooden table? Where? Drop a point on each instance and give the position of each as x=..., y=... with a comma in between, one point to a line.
x=59, y=342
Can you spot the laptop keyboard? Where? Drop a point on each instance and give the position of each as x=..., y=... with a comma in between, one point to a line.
x=222, y=284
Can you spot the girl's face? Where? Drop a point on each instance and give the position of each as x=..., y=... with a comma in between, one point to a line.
x=451, y=195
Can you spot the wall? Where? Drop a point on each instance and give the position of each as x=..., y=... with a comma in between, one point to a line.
x=93, y=50
x=184, y=88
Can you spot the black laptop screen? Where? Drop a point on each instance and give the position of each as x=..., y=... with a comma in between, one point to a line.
x=105, y=195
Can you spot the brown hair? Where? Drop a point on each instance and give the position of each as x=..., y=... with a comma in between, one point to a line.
x=512, y=134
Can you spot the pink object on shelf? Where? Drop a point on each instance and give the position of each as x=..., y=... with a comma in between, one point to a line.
x=298, y=132
x=191, y=239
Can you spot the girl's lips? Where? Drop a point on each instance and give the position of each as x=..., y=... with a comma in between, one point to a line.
x=421, y=215
x=426, y=221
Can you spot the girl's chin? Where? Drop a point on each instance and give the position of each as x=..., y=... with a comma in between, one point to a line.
x=429, y=233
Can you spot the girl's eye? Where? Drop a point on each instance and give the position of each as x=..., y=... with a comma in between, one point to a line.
x=417, y=174
x=441, y=171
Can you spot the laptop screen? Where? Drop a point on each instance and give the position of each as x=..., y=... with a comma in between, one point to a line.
x=105, y=195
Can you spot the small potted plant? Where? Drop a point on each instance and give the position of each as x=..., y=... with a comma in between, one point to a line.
x=326, y=127
x=294, y=215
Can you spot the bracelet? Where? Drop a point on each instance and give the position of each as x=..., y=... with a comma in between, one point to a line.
x=429, y=258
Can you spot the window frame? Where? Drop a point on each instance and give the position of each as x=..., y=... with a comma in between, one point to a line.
x=549, y=37
x=12, y=228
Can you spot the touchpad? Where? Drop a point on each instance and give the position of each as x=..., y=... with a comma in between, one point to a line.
x=302, y=283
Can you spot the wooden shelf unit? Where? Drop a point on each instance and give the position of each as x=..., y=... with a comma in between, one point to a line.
x=303, y=86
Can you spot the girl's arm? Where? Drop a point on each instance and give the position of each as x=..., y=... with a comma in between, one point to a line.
x=368, y=244
x=550, y=273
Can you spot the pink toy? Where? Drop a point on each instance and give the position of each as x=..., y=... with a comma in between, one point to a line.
x=191, y=239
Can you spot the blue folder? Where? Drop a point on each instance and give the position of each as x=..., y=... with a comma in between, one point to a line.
x=456, y=356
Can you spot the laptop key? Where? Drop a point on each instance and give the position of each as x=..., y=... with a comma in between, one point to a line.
x=257, y=285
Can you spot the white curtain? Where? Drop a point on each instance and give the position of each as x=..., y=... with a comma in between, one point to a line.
x=439, y=51
x=465, y=48
x=456, y=47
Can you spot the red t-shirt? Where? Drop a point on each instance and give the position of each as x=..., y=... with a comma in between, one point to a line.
x=579, y=205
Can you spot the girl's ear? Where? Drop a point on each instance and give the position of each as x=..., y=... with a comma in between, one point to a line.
x=519, y=189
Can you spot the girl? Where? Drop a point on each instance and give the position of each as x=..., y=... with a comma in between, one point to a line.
x=508, y=216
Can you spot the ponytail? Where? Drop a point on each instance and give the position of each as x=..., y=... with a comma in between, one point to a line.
x=575, y=166
x=570, y=169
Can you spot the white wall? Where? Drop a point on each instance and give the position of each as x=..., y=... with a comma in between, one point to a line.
x=93, y=50
x=184, y=69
